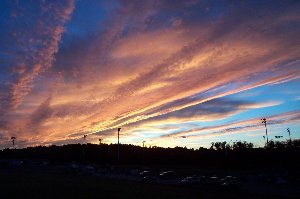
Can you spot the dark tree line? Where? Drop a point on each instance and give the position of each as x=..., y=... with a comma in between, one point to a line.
x=237, y=145
x=219, y=154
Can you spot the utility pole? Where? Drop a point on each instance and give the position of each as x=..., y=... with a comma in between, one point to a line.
x=119, y=129
x=264, y=121
x=288, y=130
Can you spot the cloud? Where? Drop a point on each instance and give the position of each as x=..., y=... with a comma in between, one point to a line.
x=240, y=126
x=212, y=110
x=41, y=114
x=172, y=124
x=147, y=63
x=35, y=32
x=36, y=37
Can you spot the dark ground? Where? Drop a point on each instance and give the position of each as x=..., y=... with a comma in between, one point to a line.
x=58, y=182
x=90, y=171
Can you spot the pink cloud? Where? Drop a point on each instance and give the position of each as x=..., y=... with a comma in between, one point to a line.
x=145, y=64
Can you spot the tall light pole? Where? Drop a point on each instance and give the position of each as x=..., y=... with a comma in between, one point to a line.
x=100, y=141
x=13, y=140
x=264, y=121
x=288, y=130
x=143, y=143
x=143, y=152
x=83, y=152
x=119, y=129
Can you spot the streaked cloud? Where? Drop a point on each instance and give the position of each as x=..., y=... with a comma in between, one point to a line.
x=146, y=66
x=35, y=32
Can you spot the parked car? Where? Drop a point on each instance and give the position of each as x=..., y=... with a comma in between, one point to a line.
x=149, y=178
x=214, y=180
x=167, y=174
x=229, y=182
x=145, y=173
x=227, y=178
x=191, y=180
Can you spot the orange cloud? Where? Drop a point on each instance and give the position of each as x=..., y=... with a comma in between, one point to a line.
x=134, y=71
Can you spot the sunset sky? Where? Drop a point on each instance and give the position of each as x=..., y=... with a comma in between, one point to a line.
x=168, y=72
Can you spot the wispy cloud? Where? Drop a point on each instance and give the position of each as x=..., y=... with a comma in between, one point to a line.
x=36, y=30
x=149, y=63
x=240, y=126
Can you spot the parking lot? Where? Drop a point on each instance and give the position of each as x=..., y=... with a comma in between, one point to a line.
x=132, y=181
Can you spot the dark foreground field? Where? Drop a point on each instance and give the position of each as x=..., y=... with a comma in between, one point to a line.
x=31, y=183
x=91, y=171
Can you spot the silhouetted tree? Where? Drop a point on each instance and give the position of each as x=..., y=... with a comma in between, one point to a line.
x=280, y=145
x=239, y=153
x=271, y=144
x=218, y=145
x=242, y=145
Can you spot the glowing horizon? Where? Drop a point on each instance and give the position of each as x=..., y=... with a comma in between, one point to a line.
x=160, y=70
